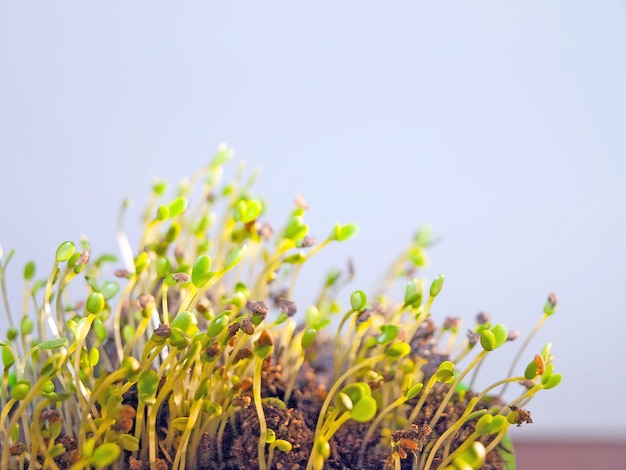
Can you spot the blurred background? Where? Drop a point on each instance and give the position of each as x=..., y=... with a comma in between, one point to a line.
x=500, y=124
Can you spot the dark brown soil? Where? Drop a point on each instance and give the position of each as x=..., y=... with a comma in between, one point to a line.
x=297, y=425
x=297, y=422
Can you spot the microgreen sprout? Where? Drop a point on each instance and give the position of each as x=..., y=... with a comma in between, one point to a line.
x=191, y=352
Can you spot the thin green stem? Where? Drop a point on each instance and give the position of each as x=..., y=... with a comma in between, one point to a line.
x=165, y=305
x=82, y=335
x=453, y=387
x=316, y=249
x=335, y=425
x=315, y=458
x=497, y=384
x=37, y=445
x=5, y=296
x=333, y=390
x=465, y=445
x=117, y=318
x=152, y=437
x=64, y=279
x=524, y=397
x=191, y=300
x=425, y=391
x=139, y=421
x=179, y=460
x=292, y=379
x=523, y=347
x=337, y=348
x=372, y=427
x=496, y=440
x=153, y=410
x=138, y=334
x=34, y=391
x=46, y=305
x=122, y=239
x=256, y=390
x=451, y=430
x=86, y=420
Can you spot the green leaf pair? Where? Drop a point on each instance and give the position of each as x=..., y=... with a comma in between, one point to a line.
x=489, y=424
x=493, y=338
x=357, y=400
x=247, y=211
x=342, y=233
x=445, y=372
x=413, y=293
x=183, y=329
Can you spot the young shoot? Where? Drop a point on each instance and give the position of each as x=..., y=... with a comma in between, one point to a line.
x=191, y=352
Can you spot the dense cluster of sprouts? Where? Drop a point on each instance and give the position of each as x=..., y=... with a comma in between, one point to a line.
x=152, y=369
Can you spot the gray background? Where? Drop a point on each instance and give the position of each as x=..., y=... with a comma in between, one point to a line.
x=500, y=124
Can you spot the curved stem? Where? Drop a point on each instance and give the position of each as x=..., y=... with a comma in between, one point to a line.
x=337, y=341
x=82, y=335
x=524, y=397
x=122, y=240
x=292, y=380
x=296, y=271
x=34, y=390
x=5, y=296
x=375, y=423
x=497, y=384
x=337, y=384
x=37, y=444
x=179, y=460
x=425, y=391
x=335, y=425
x=138, y=334
x=46, y=305
x=452, y=429
x=466, y=443
x=117, y=317
x=139, y=421
x=315, y=460
x=259, y=409
x=453, y=387
x=496, y=440
x=85, y=420
x=522, y=348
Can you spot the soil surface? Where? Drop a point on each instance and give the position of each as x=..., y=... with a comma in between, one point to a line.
x=296, y=423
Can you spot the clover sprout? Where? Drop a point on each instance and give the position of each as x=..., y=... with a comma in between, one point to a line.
x=194, y=350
